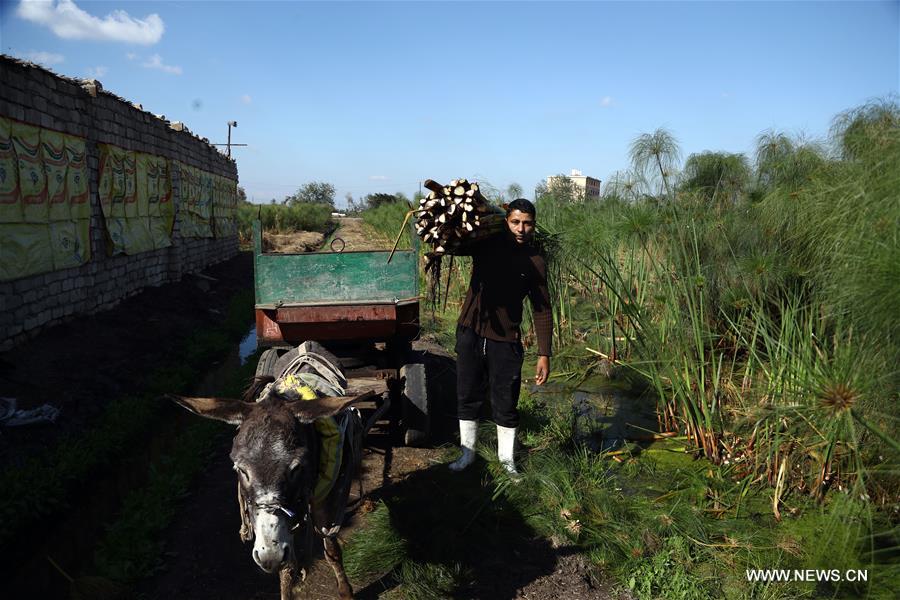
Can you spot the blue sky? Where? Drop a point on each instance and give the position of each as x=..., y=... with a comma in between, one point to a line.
x=376, y=96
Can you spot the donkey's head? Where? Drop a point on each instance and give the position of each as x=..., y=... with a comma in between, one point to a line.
x=274, y=455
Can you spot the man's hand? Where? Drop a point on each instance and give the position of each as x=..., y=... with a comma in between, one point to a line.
x=542, y=371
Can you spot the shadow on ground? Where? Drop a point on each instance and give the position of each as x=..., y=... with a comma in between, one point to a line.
x=452, y=520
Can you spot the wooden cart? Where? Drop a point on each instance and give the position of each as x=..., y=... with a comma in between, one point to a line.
x=357, y=304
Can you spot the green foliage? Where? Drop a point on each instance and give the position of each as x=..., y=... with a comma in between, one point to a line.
x=716, y=176
x=626, y=186
x=766, y=333
x=869, y=130
x=766, y=329
x=376, y=548
x=667, y=573
x=429, y=581
x=132, y=544
x=314, y=192
x=655, y=157
x=376, y=200
x=386, y=219
x=42, y=487
x=131, y=547
x=780, y=162
x=278, y=218
x=513, y=191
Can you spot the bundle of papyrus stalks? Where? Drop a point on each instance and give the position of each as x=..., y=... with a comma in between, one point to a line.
x=453, y=216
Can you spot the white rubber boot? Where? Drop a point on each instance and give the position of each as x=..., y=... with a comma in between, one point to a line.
x=468, y=434
x=506, y=443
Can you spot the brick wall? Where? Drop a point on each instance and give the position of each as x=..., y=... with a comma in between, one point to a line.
x=39, y=97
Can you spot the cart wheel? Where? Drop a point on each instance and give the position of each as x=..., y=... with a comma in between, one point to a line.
x=416, y=421
x=266, y=365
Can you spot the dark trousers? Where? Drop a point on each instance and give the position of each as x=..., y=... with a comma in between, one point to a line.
x=484, y=365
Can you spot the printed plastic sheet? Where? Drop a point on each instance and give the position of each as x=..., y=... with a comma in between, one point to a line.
x=10, y=198
x=135, y=196
x=44, y=203
x=196, y=203
x=225, y=207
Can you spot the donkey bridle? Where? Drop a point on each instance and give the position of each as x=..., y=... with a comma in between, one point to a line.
x=298, y=510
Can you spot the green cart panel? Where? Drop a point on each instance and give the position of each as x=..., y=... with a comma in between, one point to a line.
x=333, y=277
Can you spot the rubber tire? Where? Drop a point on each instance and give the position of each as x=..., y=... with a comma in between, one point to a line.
x=414, y=405
x=266, y=365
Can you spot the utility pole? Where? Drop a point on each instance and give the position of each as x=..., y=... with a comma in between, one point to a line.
x=229, y=144
x=230, y=125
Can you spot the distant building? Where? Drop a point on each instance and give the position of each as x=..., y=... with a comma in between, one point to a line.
x=589, y=187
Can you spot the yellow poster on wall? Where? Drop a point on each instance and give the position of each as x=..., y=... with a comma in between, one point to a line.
x=130, y=196
x=77, y=178
x=25, y=250
x=141, y=182
x=134, y=195
x=205, y=203
x=70, y=243
x=137, y=235
x=53, y=155
x=10, y=198
x=32, y=181
x=45, y=223
x=162, y=213
x=224, y=207
x=112, y=196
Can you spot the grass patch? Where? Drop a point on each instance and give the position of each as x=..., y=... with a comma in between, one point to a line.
x=45, y=485
x=416, y=546
x=132, y=543
x=280, y=218
x=386, y=220
x=669, y=525
x=755, y=303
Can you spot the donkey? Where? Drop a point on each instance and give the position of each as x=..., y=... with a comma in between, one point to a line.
x=276, y=454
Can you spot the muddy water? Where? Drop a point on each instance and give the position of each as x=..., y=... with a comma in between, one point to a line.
x=72, y=540
x=606, y=415
x=248, y=345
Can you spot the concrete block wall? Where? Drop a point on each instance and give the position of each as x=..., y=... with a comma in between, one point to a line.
x=36, y=96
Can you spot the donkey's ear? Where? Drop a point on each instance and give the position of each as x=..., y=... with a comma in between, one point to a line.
x=222, y=409
x=308, y=411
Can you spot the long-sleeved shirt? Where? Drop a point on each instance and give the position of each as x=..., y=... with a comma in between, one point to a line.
x=503, y=273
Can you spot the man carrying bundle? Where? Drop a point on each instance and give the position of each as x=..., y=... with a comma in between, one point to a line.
x=505, y=269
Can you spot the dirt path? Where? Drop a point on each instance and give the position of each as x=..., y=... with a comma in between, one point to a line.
x=352, y=234
x=357, y=236
x=290, y=243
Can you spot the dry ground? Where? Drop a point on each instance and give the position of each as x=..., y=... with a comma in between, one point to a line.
x=358, y=236
x=290, y=243
x=352, y=235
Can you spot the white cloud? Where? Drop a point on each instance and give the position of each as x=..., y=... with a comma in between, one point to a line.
x=131, y=56
x=726, y=95
x=246, y=99
x=378, y=177
x=44, y=58
x=156, y=62
x=96, y=72
x=70, y=22
x=606, y=101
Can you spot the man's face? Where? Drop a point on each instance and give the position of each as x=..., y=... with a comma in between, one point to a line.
x=521, y=224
